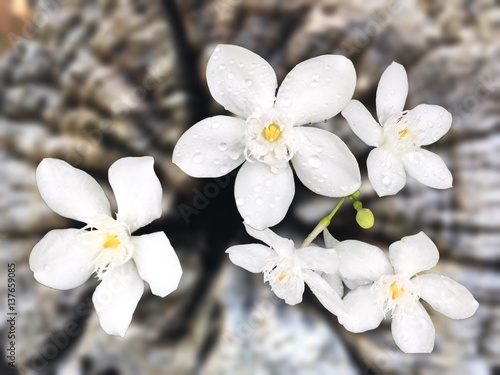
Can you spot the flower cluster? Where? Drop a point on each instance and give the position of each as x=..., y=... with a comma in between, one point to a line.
x=355, y=281
x=269, y=133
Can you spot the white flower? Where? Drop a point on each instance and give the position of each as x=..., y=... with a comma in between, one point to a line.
x=66, y=258
x=287, y=269
x=399, y=135
x=379, y=288
x=270, y=135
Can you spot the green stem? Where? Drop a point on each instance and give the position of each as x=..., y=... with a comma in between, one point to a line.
x=322, y=225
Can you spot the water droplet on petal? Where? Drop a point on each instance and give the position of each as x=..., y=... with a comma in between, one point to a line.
x=46, y=268
x=259, y=201
x=314, y=162
x=240, y=201
x=222, y=146
x=198, y=158
x=248, y=82
x=392, y=92
x=234, y=155
x=230, y=75
x=215, y=125
x=222, y=67
x=319, y=149
x=224, y=168
x=386, y=181
x=430, y=124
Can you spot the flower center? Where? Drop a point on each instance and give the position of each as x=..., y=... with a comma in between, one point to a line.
x=282, y=276
x=272, y=132
x=393, y=291
x=398, y=136
x=268, y=139
x=112, y=242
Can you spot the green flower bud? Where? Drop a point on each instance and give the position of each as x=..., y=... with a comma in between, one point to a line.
x=365, y=218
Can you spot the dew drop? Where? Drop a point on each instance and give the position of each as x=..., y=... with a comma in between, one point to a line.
x=234, y=155
x=314, y=83
x=215, y=125
x=314, y=162
x=319, y=149
x=222, y=67
x=343, y=188
x=430, y=124
x=222, y=146
x=386, y=181
x=198, y=158
x=224, y=168
x=392, y=92
x=230, y=75
x=259, y=201
x=249, y=82
x=46, y=268
x=240, y=201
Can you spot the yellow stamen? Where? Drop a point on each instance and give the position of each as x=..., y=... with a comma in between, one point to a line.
x=112, y=242
x=272, y=132
x=402, y=133
x=282, y=276
x=396, y=290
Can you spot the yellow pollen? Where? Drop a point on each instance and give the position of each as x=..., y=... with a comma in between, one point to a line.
x=272, y=132
x=402, y=134
x=282, y=276
x=396, y=290
x=112, y=242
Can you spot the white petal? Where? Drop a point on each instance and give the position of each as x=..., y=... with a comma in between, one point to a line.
x=61, y=260
x=290, y=290
x=392, y=91
x=413, y=254
x=263, y=197
x=429, y=122
x=318, y=259
x=353, y=284
x=362, y=123
x=317, y=89
x=413, y=332
x=282, y=246
x=335, y=282
x=361, y=261
x=71, y=192
x=446, y=295
x=363, y=311
x=240, y=80
x=116, y=298
x=253, y=257
x=428, y=168
x=211, y=148
x=385, y=171
x=157, y=262
x=325, y=293
x=324, y=163
x=137, y=190
x=330, y=241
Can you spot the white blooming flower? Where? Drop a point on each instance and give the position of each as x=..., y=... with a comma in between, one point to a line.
x=287, y=269
x=66, y=258
x=379, y=288
x=269, y=135
x=399, y=135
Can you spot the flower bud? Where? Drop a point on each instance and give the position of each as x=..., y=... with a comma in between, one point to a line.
x=365, y=218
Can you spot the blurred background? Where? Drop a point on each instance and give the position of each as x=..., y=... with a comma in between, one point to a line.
x=93, y=81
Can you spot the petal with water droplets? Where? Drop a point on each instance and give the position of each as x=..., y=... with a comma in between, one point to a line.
x=263, y=197
x=385, y=172
x=324, y=163
x=392, y=91
x=240, y=80
x=428, y=168
x=429, y=122
x=212, y=147
x=362, y=123
x=317, y=89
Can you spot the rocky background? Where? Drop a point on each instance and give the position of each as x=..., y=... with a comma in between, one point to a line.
x=93, y=81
